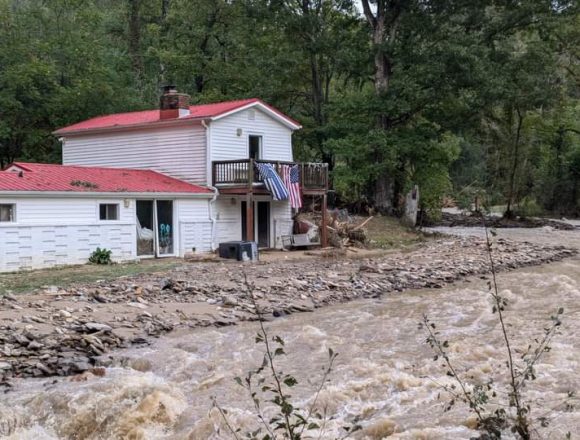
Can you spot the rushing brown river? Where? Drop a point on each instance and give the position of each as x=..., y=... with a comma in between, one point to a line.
x=384, y=375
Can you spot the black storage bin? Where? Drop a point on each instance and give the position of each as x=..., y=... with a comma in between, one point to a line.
x=229, y=250
x=235, y=250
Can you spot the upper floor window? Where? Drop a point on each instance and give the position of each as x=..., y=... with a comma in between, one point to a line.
x=7, y=212
x=255, y=146
x=108, y=211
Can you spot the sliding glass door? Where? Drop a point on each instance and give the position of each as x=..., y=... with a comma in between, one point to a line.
x=145, y=228
x=155, y=228
x=165, y=227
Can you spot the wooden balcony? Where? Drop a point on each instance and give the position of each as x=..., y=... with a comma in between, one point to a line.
x=241, y=176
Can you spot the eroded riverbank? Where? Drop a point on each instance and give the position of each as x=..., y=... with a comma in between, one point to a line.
x=384, y=375
x=63, y=332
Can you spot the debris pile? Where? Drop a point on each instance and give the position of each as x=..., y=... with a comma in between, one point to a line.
x=344, y=232
x=70, y=347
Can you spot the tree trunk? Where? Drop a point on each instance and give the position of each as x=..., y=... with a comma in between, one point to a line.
x=135, y=37
x=384, y=26
x=162, y=79
x=382, y=62
x=199, y=78
x=512, y=179
x=318, y=89
x=317, y=95
x=384, y=194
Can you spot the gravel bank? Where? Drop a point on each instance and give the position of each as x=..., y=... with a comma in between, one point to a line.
x=460, y=220
x=65, y=332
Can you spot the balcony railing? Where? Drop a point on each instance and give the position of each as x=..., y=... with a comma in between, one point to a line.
x=242, y=173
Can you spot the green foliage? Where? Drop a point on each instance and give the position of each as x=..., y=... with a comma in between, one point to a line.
x=529, y=207
x=101, y=256
x=472, y=198
x=430, y=171
x=476, y=93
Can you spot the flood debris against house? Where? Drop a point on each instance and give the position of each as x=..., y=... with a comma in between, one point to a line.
x=57, y=331
x=343, y=230
x=347, y=232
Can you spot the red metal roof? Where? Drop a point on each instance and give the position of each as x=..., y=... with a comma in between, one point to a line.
x=203, y=111
x=49, y=177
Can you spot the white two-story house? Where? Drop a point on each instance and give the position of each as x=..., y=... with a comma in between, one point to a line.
x=153, y=183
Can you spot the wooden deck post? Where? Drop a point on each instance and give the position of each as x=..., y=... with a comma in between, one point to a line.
x=324, y=230
x=250, y=217
x=251, y=172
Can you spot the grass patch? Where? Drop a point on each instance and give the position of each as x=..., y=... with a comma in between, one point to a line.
x=388, y=233
x=20, y=282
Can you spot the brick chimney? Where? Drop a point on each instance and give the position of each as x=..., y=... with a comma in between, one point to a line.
x=172, y=104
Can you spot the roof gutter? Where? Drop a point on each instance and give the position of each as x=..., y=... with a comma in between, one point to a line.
x=161, y=123
x=105, y=195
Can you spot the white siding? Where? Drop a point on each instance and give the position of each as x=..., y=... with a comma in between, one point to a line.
x=50, y=232
x=282, y=221
x=195, y=226
x=227, y=145
x=229, y=219
x=178, y=151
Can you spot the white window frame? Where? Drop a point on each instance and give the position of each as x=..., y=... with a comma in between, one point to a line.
x=118, y=210
x=177, y=245
x=13, y=219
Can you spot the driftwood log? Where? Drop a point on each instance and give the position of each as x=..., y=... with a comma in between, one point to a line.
x=346, y=233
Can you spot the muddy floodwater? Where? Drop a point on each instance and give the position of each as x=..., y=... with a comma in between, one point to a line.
x=384, y=374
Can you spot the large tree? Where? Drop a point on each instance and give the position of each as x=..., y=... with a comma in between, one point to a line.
x=388, y=94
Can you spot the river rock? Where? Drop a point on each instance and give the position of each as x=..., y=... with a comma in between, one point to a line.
x=98, y=327
x=230, y=301
x=67, y=345
x=35, y=345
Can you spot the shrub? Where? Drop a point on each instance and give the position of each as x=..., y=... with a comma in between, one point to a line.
x=101, y=256
x=471, y=199
x=529, y=207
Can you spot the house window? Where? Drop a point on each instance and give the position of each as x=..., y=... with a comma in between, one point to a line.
x=255, y=146
x=108, y=211
x=7, y=212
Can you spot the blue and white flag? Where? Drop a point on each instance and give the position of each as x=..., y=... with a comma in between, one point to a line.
x=272, y=181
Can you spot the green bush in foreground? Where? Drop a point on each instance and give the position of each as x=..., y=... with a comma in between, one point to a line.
x=101, y=256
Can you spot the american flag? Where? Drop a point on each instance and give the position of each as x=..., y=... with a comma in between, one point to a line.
x=291, y=178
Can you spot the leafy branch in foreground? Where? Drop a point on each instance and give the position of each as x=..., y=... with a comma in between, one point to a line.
x=495, y=416
x=269, y=384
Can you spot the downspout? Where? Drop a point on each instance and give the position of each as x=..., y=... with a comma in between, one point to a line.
x=62, y=149
x=212, y=217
